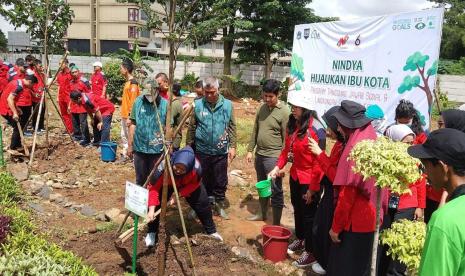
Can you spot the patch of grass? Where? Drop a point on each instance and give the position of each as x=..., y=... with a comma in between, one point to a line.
x=115, y=132
x=9, y=189
x=107, y=226
x=244, y=130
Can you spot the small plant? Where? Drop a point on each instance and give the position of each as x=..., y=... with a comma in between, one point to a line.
x=9, y=190
x=405, y=239
x=114, y=78
x=4, y=227
x=189, y=80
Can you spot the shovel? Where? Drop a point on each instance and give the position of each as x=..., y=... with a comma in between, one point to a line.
x=26, y=150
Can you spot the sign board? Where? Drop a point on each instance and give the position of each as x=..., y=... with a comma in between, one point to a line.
x=372, y=61
x=136, y=199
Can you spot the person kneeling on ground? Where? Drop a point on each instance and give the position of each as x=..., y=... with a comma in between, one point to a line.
x=100, y=110
x=187, y=173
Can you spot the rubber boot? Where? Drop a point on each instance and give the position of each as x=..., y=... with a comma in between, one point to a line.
x=277, y=212
x=262, y=212
x=220, y=209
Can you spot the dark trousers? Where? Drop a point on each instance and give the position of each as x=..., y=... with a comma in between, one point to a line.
x=351, y=257
x=23, y=118
x=388, y=266
x=322, y=224
x=198, y=201
x=35, y=107
x=304, y=214
x=215, y=174
x=431, y=206
x=102, y=135
x=264, y=165
x=80, y=127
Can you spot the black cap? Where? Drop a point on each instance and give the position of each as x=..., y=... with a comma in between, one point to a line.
x=20, y=62
x=351, y=115
x=447, y=145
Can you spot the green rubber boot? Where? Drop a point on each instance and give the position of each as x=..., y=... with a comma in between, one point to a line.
x=220, y=209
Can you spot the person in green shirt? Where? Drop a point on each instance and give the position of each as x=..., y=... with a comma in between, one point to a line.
x=267, y=141
x=443, y=156
x=176, y=112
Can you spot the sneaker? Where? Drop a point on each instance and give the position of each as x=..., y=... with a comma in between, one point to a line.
x=84, y=143
x=316, y=267
x=296, y=245
x=41, y=131
x=28, y=133
x=217, y=236
x=150, y=239
x=305, y=260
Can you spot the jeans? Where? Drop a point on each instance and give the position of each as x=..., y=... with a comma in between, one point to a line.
x=215, y=174
x=304, y=213
x=264, y=165
x=23, y=118
x=198, y=201
x=102, y=135
x=81, y=129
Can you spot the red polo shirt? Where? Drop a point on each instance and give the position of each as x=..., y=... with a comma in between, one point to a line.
x=63, y=80
x=38, y=88
x=98, y=81
x=15, y=87
x=80, y=84
x=25, y=98
x=93, y=103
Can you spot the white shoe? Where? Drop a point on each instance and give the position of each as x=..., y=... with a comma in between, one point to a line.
x=316, y=267
x=217, y=236
x=150, y=239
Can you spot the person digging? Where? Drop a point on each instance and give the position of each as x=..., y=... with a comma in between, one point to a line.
x=187, y=174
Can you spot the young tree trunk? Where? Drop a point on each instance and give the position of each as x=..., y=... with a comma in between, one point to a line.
x=162, y=245
x=268, y=63
x=228, y=45
x=374, y=254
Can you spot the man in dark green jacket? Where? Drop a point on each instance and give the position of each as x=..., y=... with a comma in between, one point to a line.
x=443, y=156
x=212, y=132
x=267, y=141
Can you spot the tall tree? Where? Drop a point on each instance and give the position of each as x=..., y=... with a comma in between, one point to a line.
x=453, y=32
x=3, y=42
x=45, y=20
x=272, y=28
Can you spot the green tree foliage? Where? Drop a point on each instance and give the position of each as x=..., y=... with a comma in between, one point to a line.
x=114, y=78
x=3, y=42
x=45, y=20
x=189, y=81
x=417, y=62
x=405, y=239
x=272, y=28
x=453, y=32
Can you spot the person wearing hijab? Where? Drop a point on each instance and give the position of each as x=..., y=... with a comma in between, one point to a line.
x=325, y=211
x=452, y=118
x=354, y=221
x=187, y=175
x=375, y=113
x=406, y=206
x=305, y=177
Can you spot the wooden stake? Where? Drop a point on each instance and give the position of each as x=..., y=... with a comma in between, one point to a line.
x=23, y=141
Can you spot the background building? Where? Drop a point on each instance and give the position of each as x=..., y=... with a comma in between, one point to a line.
x=103, y=26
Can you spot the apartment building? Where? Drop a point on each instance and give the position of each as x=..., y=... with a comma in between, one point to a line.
x=104, y=26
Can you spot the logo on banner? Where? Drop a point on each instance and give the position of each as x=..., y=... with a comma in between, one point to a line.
x=420, y=26
x=306, y=33
x=299, y=35
x=315, y=34
x=431, y=21
x=402, y=24
x=342, y=41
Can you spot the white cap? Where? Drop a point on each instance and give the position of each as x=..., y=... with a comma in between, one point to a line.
x=97, y=63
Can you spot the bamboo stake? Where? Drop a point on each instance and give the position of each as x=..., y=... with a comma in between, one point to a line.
x=20, y=129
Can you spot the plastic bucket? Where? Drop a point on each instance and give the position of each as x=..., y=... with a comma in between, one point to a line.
x=264, y=188
x=108, y=151
x=275, y=242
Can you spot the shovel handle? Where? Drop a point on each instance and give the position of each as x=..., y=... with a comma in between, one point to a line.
x=26, y=150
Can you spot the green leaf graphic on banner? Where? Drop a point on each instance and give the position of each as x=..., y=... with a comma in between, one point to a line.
x=414, y=61
x=433, y=70
x=297, y=67
x=408, y=83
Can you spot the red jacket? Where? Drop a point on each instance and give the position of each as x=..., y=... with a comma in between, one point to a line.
x=186, y=185
x=15, y=87
x=98, y=81
x=354, y=212
x=3, y=75
x=93, y=103
x=305, y=168
x=417, y=198
x=329, y=164
x=38, y=88
x=24, y=98
x=420, y=139
x=63, y=80
x=79, y=84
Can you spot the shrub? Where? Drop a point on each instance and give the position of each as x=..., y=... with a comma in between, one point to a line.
x=188, y=82
x=405, y=239
x=114, y=78
x=9, y=190
x=4, y=227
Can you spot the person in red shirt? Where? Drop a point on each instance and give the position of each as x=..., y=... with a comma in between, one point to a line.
x=63, y=79
x=406, y=206
x=162, y=80
x=17, y=72
x=406, y=114
x=324, y=214
x=187, y=174
x=98, y=81
x=37, y=91
x=10, y=110
x=4, y=67
x=305, y=177
x=100, y=110
x=354, y=221
x=78, y=112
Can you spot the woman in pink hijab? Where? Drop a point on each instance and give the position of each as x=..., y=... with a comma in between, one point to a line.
x=354, y=221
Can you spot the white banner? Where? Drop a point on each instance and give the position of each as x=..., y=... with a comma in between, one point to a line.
x=372, y=61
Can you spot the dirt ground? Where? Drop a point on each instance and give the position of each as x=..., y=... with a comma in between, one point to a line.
x=77, y=176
